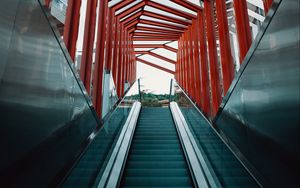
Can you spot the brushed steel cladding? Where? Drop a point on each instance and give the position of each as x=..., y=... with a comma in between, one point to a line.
x=261, y=114
x=45, y=116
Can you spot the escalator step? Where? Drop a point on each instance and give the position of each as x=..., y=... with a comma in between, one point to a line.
x=156, y=158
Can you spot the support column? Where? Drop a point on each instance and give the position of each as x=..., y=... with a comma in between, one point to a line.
x=213, y=58
x=71, y=26
x=116, y=51
x=197, y=62
x=191, y=63
x=88, y=44
x=242, y=27
x=109, y=37
x=99, y=60
x=225, y=49
x=267, y=5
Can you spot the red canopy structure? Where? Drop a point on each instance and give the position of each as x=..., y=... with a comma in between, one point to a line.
x=130, y=29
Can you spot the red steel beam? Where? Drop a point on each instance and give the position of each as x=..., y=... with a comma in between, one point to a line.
x=148, y=46
x=131, y=9
x=88, y=44
x=267, y=5
x=171, y=10
x=155, y=38
x=99, y=60
x=116, y=50
x=166, y=18
x=170, y=48
x=188, y=5
x=213, y=58
x=121, y=4
x=225, y=49
x=159, y=30
x=147, y=34
x=155, y=66
x=160, y=24
x=205, y=87
x=71, y=26
x=132, y=17
x=142, y=52
x=162, y=57
x=120, y=62
x=191, y=63
x=195, y=38
x=242, y=27
x=109, y=37
x=186, y=63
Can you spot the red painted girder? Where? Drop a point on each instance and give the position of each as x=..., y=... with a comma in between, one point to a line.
x=131, y=9
x=242, y=27
x=154, y=38
x=88, y=44
x=121, y=4
x=267, y=5
x=166, y=18
x=132, y=17
x=141, y=52
x=116, y=48
x=132, y=24
x=205, y=87
x=147, y=34
x=213, y=58
x=148, y=45
x=162, y=57
x=171, y=10
x=109, y=38
x=225, y=49
x=71, y=26
x=191, y=62
x=195, y=40
x=170, y=48
x=155, y=66
x=188, y=5
x=160, y=24
x=159, y=30
x=99, y=59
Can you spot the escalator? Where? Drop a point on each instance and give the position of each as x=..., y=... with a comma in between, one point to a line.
x=156, y=158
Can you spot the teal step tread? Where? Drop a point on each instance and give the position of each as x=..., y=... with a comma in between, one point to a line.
x=156, y=158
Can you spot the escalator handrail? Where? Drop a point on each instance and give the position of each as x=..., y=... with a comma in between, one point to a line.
x=233, y=151
x=200, y=172
x=113, y=170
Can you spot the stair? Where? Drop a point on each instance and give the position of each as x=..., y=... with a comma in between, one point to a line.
x=156, y=158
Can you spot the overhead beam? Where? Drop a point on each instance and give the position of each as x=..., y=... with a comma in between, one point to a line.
x=160, y=24
x=171, y=10
x=154, y=39
x=131, y=9
x=146, y=34
x=166, y=18
x=162, y=57
x=188, y=5
x=170, y=48
x=155, y=66
x=142, y=28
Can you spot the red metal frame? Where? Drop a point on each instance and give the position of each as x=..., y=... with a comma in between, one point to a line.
x=267, y=5
x=116, y=48
x=88, y=44
x=242, y=27
x=213, y=58
x=155, y=66
x=225, y=49
x=99, y=62
x=71, y=26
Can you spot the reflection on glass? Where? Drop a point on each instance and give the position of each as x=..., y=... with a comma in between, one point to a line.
x=225, y=168
x=89, y=169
